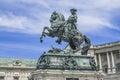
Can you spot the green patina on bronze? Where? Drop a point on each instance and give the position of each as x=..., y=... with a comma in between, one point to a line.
x=66, y=30
x=65, y=61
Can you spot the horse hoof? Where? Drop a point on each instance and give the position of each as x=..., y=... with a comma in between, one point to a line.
x=57, y=41
x=43, y=35
x=41, y=41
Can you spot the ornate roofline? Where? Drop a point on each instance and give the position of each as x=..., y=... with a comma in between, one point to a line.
x=110, y=44
x=17, y=62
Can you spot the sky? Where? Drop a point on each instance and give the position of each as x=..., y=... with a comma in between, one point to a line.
x=22, y=22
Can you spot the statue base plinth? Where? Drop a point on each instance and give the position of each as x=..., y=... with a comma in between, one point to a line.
x=65, y=66
x=65, y=75
x=66, y=61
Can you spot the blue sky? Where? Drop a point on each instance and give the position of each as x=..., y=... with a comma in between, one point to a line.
x=22, y=21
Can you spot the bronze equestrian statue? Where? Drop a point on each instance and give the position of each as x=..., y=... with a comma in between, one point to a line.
x=66, y=30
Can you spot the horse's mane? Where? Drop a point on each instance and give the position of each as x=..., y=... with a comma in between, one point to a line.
x=61, y=17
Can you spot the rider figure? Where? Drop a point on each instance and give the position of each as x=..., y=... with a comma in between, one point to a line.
x=72, y=19
x=70, y=25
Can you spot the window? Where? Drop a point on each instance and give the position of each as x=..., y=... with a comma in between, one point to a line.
x=38, y=79
x=106, y=70
x=118, y=55
x=118, y=68
x=15, y=78
x=2, y=78
x=72, y=78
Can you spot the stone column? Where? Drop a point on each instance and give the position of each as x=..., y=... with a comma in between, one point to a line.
x=100, y=62
x=96, y=59
x=108, y=61
x=113, y=63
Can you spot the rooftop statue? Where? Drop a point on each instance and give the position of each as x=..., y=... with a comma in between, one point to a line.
x=66, y=30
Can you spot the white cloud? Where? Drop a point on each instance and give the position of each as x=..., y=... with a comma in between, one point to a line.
x=93, y=24
x=12, y=21
x=37, y=2
x=90, y=4
x=93, y=15
x=107, y=4
x=21, y=23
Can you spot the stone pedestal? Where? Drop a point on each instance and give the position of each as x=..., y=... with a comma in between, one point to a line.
x=65, y=67
x=65, y=75
x=114, y=76
x=64, y=61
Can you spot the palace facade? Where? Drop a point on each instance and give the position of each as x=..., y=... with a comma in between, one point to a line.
x=107, y=57
x=16, y=69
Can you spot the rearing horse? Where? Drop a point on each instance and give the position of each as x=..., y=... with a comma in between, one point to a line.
x=59, y=29
x=56, y=29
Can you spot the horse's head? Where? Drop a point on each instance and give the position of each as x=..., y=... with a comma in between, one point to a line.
x=57, y=16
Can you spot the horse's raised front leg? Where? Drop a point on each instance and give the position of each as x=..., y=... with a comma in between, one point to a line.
x=41, y=37
x=45, y=33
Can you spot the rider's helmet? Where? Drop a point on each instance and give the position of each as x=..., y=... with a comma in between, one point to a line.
x=73, y=10
x=54, y=12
